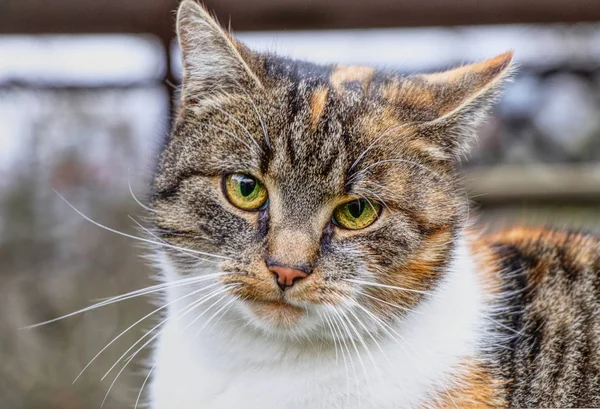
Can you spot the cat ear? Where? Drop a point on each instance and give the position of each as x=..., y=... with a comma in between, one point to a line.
x=213, y=62
x=454, y=102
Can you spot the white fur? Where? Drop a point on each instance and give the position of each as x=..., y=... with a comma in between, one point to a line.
x=232, y=365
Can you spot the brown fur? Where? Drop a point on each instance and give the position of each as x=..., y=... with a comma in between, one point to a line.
x=548, y=284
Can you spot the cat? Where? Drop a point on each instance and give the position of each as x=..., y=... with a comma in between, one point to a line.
x=319, y=253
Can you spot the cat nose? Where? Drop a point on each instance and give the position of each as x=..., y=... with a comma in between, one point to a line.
x=286, y=276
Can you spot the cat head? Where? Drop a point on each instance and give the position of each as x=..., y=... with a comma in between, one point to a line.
x=320, y=189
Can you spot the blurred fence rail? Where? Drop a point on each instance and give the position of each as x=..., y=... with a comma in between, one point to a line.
x=135, y=16
x=538, y=182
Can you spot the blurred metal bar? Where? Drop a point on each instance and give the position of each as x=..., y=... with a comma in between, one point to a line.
x=547, y=182
x=156, y=16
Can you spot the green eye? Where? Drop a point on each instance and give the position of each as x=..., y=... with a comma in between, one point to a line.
x=356, y=214
x=245, y=191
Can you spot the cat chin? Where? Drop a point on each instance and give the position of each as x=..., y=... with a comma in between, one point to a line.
x=277, y=314
x=279, y=318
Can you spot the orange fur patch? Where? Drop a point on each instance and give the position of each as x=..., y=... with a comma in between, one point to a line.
x=318, y=100
x=432, y=252
x=423, y=147
x=418, y=273
x=343, y=74
x=475, y=389
x=416, y=96
x=488, y=69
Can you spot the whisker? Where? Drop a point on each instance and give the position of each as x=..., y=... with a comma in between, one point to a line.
x=155, y=288
x=389, y=303
x=335, y=321
x=164, y=241
x=227, y=304
x=372, y=144
x=420, y=166
x=134, y=196
x=226, y=132
x=387, y=328
x=202, y=313
x=125, y=366
x=139, y=321
x=362, y=341
x=393, y=287
x=134, y=355
x=370, y=192
x=370, y=182
x=135, y=237
x=143, y=385
x=222, y=315
x=130, y=295
x=344, y=322
x=336, y=339
x=190, y=306
x=241, y=126
x=262, y=125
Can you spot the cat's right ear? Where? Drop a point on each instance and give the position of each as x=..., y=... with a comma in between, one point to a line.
x=213, y=63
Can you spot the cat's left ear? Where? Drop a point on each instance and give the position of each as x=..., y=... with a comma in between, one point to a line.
x=454, y=102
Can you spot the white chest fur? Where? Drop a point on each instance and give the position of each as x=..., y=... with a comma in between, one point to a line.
x=230, y=366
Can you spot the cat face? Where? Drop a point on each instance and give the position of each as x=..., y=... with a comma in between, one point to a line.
x=321, y=189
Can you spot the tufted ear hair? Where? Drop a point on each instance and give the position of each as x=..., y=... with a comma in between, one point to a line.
x=213, y=62
x=449, y=105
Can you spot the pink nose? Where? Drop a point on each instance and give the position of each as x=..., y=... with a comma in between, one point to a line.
x=286, y=276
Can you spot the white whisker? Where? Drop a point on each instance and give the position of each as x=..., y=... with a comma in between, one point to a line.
x=392, y=287
x=202, y=313
x=392, y=333
x=227, y=304
x=241, y=126
x=163, y=240
x=226, y=132
x=143, y=385
x=190, y=306
x=368, y=191
x=139, y=321
x=418, y=165
x=135, y=237
x=344, y=322
x=362, y=341
x=388, y=303
x=262, y=125
x=372, y=144
x=134, y=196
x=134, y=355
x=335, y=322
x=130, y=295
x=326, y=319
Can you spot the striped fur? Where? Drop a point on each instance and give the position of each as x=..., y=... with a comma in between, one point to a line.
x=549, y=310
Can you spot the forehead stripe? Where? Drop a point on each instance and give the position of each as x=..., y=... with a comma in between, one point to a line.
x=318, y=101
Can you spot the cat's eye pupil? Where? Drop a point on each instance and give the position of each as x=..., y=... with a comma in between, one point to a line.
x=356, y=208
x=247, y=186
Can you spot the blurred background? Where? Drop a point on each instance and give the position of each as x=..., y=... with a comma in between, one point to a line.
x=86, y=94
